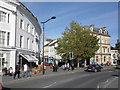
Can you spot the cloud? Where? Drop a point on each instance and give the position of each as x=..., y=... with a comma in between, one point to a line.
x=102, y=16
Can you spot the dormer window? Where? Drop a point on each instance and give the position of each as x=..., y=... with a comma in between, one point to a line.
x=105, y=32
x=102, y=32
x=91, y=28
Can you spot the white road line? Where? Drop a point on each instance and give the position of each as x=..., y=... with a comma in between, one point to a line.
x=98, y=86
x=49, y=85
x=110, y=81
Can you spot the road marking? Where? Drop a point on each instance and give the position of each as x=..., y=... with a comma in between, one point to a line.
x=98, y=86
x=106, y=81
x=110, y=81
x=49, y=85
x=110, y=71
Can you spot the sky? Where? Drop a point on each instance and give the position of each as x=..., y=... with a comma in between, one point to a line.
x=85, y=13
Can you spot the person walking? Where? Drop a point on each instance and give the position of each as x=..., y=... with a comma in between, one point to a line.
x=10, y=71
x=17, y=71
x=55, y=67
x=25, y=73
x=68, y=67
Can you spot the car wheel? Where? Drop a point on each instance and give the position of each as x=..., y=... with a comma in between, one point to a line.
x=95, y=70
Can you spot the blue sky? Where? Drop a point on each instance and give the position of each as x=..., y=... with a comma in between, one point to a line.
x=86, y=13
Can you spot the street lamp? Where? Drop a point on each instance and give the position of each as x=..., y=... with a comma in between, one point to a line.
x=43, y=39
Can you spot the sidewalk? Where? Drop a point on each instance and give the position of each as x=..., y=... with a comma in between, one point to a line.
x=49, y=71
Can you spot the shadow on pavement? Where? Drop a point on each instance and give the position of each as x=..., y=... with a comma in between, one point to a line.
x=116, y=75
x=5, y=88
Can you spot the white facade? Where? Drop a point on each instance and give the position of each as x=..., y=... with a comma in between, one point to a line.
x=19, y=33
x=114, y=57
x=50, y=50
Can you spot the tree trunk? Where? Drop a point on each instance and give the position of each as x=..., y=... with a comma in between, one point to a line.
x=78, y=64
x=85, y=63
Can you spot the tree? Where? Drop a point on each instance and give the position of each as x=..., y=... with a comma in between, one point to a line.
x=78, y=40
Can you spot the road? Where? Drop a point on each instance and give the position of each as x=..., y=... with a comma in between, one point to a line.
x=106, y=79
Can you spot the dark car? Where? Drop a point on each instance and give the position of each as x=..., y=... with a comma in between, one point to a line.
x=94, y=68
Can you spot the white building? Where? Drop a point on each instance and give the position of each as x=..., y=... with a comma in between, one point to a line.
x=50, y=51
x=19, y=34
x=114, y=57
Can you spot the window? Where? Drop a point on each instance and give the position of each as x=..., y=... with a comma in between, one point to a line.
x=33, y=31
x=2, y=16
x=102, y=41
x=8, y=18
x=104, y=50
x=96, y=58
x=2, y=38
x=105, y=41
x=32, y=44
x=21, y=41
x=104, y=58
x=8, y=38
x=28, y=43
x=28, y=28
x=21, y=24
x=108, y=50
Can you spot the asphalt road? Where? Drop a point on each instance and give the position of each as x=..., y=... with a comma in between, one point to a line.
x=106, y=79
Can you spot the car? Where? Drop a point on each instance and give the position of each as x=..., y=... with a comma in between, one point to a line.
x=94, y=68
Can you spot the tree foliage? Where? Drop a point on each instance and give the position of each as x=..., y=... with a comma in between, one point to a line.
x=78, y=40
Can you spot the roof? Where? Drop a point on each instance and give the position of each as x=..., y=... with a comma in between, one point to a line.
x=24, y=7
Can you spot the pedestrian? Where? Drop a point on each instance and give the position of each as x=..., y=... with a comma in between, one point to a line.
x=55, y=67
x=68, y=67
x=65, y=66
x=29, y=71
x=25, y=73
x=5, y=71
x=10, y=71
x=51, y=65
x=17, y=71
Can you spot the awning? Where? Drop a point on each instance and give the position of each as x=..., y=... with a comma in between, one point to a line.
x=29, y=58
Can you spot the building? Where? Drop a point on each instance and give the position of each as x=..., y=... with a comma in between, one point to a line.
x=50, y=52
x=114, y=57
x=103, y=55
x=19, y=35
x=46, y=47
x=115, y=54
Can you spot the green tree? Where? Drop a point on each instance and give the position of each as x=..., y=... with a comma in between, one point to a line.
x=78, y=40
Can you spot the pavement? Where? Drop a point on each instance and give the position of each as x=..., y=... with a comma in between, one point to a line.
x=6, y=79
x=49, y=71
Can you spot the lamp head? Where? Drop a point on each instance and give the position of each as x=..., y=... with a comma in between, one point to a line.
x=53, y=17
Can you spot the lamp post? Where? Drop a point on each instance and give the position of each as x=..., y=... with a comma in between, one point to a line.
x=43, y=39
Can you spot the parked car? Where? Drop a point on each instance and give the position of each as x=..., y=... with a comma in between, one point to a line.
x=94, y=68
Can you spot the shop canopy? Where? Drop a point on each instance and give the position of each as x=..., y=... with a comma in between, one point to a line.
x=29, y=58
